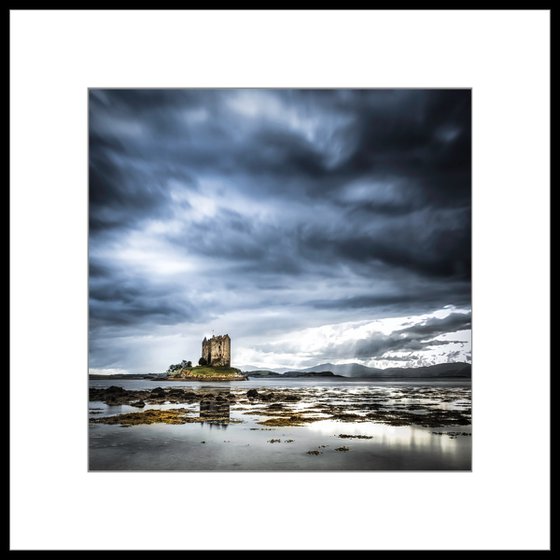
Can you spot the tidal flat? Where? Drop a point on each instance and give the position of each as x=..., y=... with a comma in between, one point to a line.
x=280, y=426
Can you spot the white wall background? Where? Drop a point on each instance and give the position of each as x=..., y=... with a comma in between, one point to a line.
x=503, y=56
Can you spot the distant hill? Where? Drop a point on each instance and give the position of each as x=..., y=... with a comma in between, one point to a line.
x=255, y=368
x=347, y=370
x=129, y=376
x=452, y=370
x=262, y=373
x=292, y=374
x=297, y=373
x=456, y=369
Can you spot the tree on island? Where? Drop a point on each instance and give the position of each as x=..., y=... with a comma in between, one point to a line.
x=183, y=365
x=202, y=362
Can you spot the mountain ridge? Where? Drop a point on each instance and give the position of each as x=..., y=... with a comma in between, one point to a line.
x=354, y=370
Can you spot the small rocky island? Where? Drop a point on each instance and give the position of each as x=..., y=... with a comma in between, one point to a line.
x=214, y=364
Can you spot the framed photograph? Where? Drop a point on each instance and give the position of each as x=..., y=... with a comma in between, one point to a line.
x=279, y=279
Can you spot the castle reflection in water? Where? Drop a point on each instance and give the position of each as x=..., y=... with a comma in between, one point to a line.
x=215, y=409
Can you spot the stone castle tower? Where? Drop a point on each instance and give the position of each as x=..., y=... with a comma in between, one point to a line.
x=217, y=350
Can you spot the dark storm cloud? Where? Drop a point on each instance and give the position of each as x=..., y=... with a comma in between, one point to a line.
x=119, y=298
x=323, y=201
x=414, y=296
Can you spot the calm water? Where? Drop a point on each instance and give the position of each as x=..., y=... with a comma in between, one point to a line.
x=137, y=384
x=246, y=445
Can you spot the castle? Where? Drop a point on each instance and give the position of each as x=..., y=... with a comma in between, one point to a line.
x=217, y=350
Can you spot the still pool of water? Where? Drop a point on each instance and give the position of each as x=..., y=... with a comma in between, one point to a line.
x=243, y=443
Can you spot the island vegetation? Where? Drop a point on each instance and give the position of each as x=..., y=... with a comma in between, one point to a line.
x=203, y=372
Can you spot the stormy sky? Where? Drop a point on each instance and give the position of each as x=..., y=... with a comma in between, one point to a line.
x=311, y=225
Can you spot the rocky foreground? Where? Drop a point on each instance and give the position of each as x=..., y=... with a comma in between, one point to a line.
x=424, y=406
